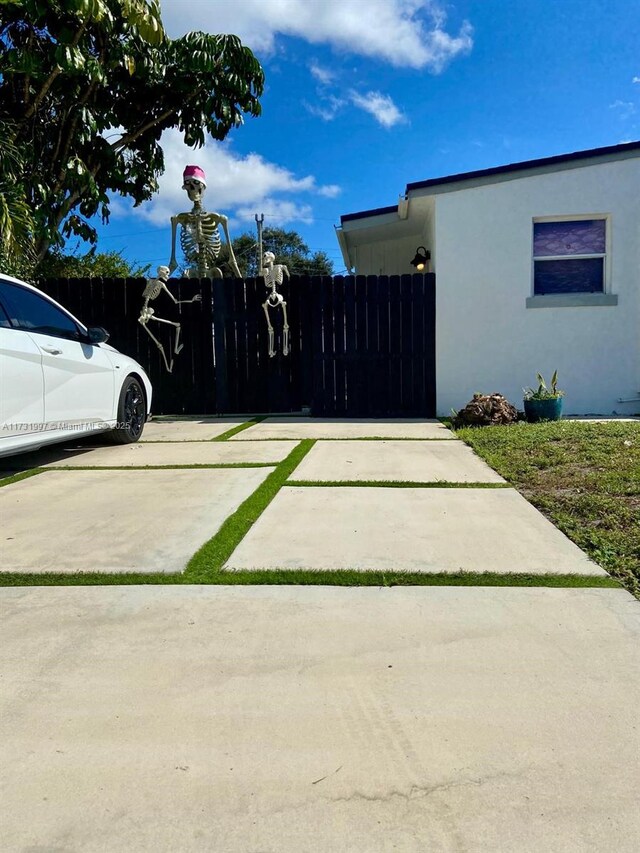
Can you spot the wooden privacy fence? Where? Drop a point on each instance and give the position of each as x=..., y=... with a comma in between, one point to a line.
x=361, y=346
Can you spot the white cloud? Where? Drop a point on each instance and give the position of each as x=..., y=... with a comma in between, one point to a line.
x=236, y=185
x=380, y=106
x=327, y=107
x=404, y=33
x=322, y=75
x=625, y=108
x=636, y=80
x=330, y=191
x=277, y=212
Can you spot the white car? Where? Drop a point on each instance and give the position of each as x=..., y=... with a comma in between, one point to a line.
x=60, y=379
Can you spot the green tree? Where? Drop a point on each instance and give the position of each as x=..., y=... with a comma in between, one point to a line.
x=288, y=247
x=17, y=251
x=93, y=264
x=90, y=85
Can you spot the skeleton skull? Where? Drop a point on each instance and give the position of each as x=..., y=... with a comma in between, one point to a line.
x=195, y=189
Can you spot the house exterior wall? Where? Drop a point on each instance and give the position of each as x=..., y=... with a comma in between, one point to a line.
x=488, y=339
x=386, y=257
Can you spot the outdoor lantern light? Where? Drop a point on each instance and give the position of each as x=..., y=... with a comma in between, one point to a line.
x=420, y=260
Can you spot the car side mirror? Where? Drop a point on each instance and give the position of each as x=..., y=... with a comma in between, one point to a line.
x=97, y=335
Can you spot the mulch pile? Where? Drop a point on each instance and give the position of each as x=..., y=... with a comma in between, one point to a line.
x=487, y=410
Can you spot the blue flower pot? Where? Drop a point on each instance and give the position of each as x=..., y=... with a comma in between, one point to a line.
x=543, y=410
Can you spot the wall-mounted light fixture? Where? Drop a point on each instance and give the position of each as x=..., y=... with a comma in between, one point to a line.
x=420, y=260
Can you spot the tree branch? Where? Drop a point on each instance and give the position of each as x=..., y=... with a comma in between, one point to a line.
x=128, y=138
x=48, y=83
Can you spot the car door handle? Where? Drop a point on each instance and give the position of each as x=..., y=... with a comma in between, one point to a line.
x=51, y=350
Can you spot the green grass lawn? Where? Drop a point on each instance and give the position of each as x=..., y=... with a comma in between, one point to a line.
x=585, y=477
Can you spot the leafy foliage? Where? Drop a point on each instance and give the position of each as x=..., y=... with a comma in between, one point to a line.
x=17, y=253
x=91, y=265
x=288, y=247
x=542, y=392
x=90, y=85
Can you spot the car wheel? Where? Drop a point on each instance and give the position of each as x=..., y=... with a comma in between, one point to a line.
x=131, y=413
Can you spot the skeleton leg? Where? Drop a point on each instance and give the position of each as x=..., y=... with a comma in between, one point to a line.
x=285, y=330
x=177, y=347
x=168, y=365
x=272, y=352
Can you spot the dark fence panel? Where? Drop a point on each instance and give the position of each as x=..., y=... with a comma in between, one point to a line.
x=359, y=346
x=246, y=378
x=374, y=346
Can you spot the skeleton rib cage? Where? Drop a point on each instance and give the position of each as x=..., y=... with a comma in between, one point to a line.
x=200, y=240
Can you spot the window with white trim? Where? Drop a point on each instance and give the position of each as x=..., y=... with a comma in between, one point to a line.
x=569, y=256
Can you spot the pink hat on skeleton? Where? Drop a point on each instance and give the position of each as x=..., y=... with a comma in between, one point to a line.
x=194, y=172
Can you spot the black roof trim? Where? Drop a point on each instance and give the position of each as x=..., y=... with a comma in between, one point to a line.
x=498, y=170
x=364, y=213
x=527, y=164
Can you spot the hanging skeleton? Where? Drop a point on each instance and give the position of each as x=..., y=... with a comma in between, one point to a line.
x=273, y=276
x=154, y=288
x=200, y=239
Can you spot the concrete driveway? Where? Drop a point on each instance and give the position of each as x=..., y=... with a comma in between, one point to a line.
x=148, y=507
x=304, y=719
x=292, y=718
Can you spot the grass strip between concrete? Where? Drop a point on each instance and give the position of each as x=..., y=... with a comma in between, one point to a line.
x=213, y=554
x=397, y=484
x=160, y=467
x=345, y=438
x=21, y=475
x=236, y=429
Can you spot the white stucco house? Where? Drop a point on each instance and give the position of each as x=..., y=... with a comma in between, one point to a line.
x=537, y=267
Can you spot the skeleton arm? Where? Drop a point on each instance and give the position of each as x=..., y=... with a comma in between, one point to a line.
x=232, y=258
x=196, y=298
x=173, y=264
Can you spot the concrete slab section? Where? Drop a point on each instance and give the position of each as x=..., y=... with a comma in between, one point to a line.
x=200, y=429
x=344, y=428
x=299, y=720
x=179, y=453
x=117, y=521
x=417, y=530
x=409, y=461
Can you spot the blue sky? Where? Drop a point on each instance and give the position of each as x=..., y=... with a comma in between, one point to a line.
x=364, y=96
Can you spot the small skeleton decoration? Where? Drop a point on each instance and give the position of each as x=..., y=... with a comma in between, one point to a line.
x=154, y=288
x=199, y=235
x=273, y=276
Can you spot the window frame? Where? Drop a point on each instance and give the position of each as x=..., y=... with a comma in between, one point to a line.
x=595, y=298
x=5, y=302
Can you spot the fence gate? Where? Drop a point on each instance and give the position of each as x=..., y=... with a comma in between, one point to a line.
x=360, y=346
x=374, y=346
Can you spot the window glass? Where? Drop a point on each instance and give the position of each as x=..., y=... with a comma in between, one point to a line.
x=33, y=313
x=557, y=265
x=581, y=237
x=583, y=275
x=4, y=319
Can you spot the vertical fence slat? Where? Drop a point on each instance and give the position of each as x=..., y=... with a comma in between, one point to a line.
x=373, y=354
x=384, y=360
x=338, y=308
x=406, y=358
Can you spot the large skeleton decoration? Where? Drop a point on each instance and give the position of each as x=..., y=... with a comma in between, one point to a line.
x=154, y=288
x=200, y=239
x=273, y=276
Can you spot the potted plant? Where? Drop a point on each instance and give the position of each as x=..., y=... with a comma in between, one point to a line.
x=542, y=403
